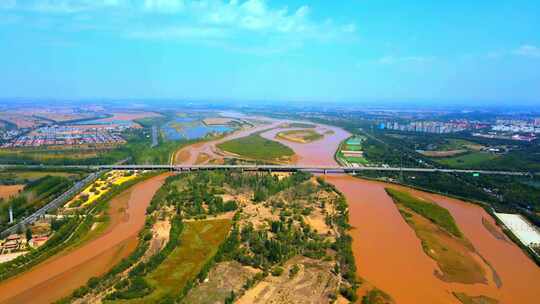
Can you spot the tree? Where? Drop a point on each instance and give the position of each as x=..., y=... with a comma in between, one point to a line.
x=28, y=234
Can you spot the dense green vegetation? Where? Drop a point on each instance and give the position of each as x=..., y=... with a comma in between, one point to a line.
x=255, y=146
x=196, y=245
x=22, y=176
x=376, y=296
x=181, y=263
x=503, y=193
x=136, y=285
x=468, y=160
x=438, y=215
x=34, y=195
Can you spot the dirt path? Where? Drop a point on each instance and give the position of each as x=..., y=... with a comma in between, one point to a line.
x=60, y=275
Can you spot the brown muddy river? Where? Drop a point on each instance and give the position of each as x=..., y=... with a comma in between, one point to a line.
x=390, y=256
x=60, y=275
x=388, y=253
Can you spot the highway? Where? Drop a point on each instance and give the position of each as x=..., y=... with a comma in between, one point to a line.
x=60, y=200
x=275, y=168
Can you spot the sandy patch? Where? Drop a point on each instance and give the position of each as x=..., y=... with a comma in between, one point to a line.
x=8, y=191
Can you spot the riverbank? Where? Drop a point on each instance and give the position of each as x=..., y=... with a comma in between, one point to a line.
x=60, y=275
x=384, y=245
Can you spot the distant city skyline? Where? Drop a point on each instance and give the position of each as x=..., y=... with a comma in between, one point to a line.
x=461, y=52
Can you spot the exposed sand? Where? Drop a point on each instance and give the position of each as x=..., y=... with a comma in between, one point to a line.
x=7, y=191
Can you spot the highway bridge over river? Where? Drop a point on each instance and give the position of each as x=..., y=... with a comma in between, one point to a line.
x=188, y=168
x=274, y=168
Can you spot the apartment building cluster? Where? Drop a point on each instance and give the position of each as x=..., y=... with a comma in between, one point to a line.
x=427, y=126
x=65, y=136
x=517, y=126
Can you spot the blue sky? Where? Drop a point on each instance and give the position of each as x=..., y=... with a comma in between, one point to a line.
x=358, y=50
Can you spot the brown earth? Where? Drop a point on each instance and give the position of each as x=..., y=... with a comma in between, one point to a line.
x=61, y=274
x=314, y=283
x=7, y=191
x=222, y=279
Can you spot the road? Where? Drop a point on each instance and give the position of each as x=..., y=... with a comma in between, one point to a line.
x=60, y=200
x=280, y=168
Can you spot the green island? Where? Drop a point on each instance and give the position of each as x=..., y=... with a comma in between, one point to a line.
x=281, y=232
x=299, y=136
x=441, y=238
x=256, y=147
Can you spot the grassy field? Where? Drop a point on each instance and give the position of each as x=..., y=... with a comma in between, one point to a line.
x=356, y=160
x=453, y=253
x=300, y=125
x=301, y=136
x=34, y=175
x=468, y=160
x=435, y=213
x=199, y=242
x=256, y=147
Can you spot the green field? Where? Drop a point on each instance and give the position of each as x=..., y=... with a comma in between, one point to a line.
x=29, y=176
x=303, y=136
x=468, y=160
x=199, y=242
x=356, y=160
x=435, y=213
x=301, y=125
x=256, y=147
x=352, y=144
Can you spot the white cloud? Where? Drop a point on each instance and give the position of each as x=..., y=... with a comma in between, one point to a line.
x=528, y=51
x=241, y=21
x=256, y=15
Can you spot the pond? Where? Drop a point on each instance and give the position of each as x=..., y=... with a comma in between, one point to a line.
x=191, y=128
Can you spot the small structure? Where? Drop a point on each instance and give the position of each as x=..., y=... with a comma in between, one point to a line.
x=12, y=243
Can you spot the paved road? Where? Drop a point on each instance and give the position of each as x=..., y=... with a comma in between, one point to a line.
x=57, y=202
x=283, y=168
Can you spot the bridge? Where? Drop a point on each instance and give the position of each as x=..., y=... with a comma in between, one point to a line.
x=274, y=168
x=188, y=168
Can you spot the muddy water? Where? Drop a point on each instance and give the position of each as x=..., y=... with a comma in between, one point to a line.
x=387, y=251
x=390, y=256
x=60, y=275
x=317, y=153
x=320, y=152
x=189, y=155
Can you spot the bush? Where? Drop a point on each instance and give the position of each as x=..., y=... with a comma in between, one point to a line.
x=277, y=271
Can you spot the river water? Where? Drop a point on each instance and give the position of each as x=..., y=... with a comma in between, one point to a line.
x=62, y=274
x=386, y=249
x=387, y=252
